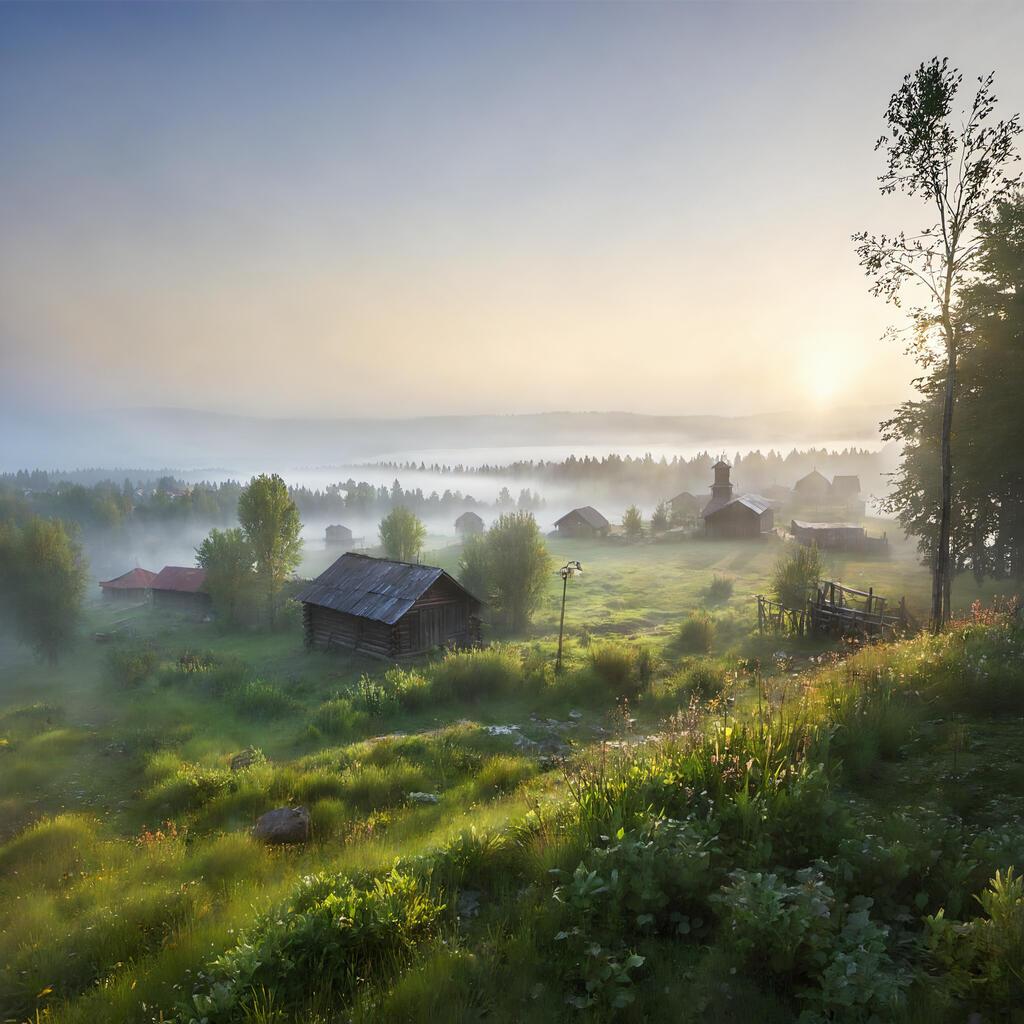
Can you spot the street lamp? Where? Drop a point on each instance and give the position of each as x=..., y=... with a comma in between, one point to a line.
x=567, y=570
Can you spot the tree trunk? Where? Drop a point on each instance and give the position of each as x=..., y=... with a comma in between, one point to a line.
x=941, y=572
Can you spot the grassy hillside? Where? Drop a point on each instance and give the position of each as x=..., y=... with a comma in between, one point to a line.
x=763, y=830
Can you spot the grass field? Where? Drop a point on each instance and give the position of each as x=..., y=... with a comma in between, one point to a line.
x=126, y=865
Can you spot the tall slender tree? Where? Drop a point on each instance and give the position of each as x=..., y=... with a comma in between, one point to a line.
x=961, y=172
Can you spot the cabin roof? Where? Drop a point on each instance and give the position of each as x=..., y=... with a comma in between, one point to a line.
x=846, y=483
x=133, y=579
x=589, y=515
x=683, y=496
x=814, y=476
x=469, y=517
x=373, y=588
x=184, y=579
x=754, y=502
x=338, y=526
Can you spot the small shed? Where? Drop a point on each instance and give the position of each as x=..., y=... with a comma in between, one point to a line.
x=838, y=537
x=133, y=585
x=583, y=522
x=743, y=517
x=337, y=535
x=845, y=488
x=812, y=488
x=181, y=588
x=387, y=609
x=469, y=524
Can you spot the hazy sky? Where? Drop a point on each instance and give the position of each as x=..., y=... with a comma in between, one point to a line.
x=395, y=209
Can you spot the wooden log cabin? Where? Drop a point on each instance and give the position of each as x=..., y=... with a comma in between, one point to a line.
x=388, y=609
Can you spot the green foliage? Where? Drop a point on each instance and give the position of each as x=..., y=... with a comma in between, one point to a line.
x=983, y=957
x=228, y=558
x=632, y=522
x=796, y=574
x=270, y=521
x=337, y=718
x=329, y=937
x=697, y=633
x=261, y=700
x=705, y=679
x=477, y=673
x=128, y=668
x=720, y=588
x=402, y=535
x=621, y=671
x=508, y=567
x=660, y=518
x=42, y=581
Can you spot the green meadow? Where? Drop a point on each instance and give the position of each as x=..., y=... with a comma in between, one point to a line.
x=691, y=822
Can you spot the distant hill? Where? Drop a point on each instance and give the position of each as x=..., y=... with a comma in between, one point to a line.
x=155, y=437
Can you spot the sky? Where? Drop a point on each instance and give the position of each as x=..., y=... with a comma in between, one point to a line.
x=416, y=209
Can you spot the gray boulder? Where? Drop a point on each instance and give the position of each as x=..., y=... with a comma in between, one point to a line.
x=283, y=825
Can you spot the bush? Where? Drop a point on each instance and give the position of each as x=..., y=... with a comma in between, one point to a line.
x=470, y=675
x=796, y=574
x=502, y=773
x=617, y=668
x=257, y=699
x=337, y=717
x=697, y=633
x=129, y=668
x=330, y=937
x=372, y=787
x=704, y=679
x=720, y=588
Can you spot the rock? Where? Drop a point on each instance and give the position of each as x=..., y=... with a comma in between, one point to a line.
x=575, y=715
x=469, y=903
x=502, y=730
x=243, y=759
x=423, y=798
x=283, y=825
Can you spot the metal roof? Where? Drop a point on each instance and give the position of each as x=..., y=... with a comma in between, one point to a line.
x=754, y=502
x=801, y=524
x=372, y=588
x=589, y=515
x=133, y=579
x=182, y=578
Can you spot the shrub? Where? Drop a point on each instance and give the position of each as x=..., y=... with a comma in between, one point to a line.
x=796, y=573
x=129, y=668
x=257, y=699
x=329, y=937
x=720, y=588
x=501, y=773
x=616, y=666
x=337, y=717
x=371, y=787
x=704, y=679
x=470, y=675
x=697, y=633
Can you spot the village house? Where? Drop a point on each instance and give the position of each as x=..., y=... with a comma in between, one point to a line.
x=727, y=517
x=388, y=609
x=133, y=585
x=181, y=588
x=583, y=522
x=338, y=535
x=684, y=506
x=469, y=524
x=813, y=489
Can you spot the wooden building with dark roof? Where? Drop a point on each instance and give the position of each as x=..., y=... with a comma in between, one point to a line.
x=388, y=609
x=181, y=588
x=583, y=522
x=133, y=585
x=468, y=524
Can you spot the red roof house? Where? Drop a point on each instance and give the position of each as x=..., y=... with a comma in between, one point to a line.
x=181, y=588
x=133, y=585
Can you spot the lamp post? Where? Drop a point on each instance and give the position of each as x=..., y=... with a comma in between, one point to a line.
x=567, y=570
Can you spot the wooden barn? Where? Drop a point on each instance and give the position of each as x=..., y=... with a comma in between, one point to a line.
x=813, y=488
x=181, y=588
x=583, y=522
x=469, y=524
x=685, y=505
x=388, y=609
x=338, y=536
x=747, y=516
x=133, y=585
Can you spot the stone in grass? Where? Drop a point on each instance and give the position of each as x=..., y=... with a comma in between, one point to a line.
x=244, y=759
x=423, y=798
x=283, y=825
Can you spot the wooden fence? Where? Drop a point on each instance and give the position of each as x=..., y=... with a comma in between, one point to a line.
x=835, y=610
